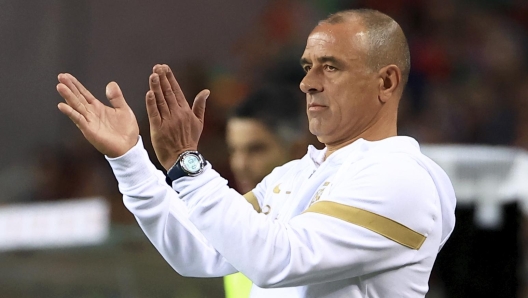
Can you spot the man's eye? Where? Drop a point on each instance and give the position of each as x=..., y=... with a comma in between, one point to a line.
x=330, y=68
x=257, y=149
x=307, y=68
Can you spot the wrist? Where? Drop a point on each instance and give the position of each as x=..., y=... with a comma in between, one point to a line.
x=189, y=163
x=122, y=150
x=172, y=157
x=167, y=165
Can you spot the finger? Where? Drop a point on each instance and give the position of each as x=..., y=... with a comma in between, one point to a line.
x=158, y=94
x=66, y=80
x=69, y=80
x=198, y=107
x=166, y=88
x=115, y=96
x=152, y=109
x=75, y=116
x=72, y=100
x=73, y=84
x=84, y=92
x=180, y=98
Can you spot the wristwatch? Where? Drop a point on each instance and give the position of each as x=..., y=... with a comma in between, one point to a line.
x=189, y=163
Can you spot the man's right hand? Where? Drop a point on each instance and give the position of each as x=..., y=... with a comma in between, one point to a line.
x=111, y=130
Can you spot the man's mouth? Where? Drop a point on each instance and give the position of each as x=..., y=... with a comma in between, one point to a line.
x=316, y=107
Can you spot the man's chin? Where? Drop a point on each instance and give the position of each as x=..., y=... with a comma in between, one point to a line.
x=245, y=186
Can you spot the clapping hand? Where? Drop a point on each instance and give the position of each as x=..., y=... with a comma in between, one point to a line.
x=111, y=130
x=175, y=127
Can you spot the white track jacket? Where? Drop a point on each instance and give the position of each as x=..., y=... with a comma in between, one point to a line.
x=368, y=221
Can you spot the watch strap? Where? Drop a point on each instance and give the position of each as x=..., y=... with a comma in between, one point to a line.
x=175, y=173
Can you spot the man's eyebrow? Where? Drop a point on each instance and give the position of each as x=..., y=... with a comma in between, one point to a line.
x=321, y=60
x=331, y=59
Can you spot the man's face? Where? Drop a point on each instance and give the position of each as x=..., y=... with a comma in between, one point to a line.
x=254, y=151
x=341, y=90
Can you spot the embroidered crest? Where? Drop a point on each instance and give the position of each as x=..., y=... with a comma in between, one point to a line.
x=319, y=192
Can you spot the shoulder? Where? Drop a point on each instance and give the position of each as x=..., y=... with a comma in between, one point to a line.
x=387, y=168
x=393, y=185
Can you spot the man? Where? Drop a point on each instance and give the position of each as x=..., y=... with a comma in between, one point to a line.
x=263, y=132
x=364, y=217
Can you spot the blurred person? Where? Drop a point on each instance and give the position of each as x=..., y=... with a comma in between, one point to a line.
x=365, y=216
x=263, y=132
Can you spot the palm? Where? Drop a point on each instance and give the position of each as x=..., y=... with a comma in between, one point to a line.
x=111, y=130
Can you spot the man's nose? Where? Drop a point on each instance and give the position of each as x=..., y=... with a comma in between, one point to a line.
x=240, y=162
x=311, y=83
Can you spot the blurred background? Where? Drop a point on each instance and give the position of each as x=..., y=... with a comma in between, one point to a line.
x=466, y=102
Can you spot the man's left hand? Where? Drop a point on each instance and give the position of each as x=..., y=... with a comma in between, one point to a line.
x=175, y=127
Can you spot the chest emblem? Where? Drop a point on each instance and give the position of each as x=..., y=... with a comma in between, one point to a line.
x=277, y=189
x=319, y=192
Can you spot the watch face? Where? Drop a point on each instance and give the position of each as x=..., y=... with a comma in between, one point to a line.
x=192, y=163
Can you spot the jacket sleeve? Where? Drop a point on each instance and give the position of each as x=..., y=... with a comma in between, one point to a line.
x=323, y=243
x=164, y=218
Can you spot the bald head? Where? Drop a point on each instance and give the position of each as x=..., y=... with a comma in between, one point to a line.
x=385, y=39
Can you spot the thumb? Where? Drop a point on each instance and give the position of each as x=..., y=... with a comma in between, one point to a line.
x=198, y=107
x=115, y=96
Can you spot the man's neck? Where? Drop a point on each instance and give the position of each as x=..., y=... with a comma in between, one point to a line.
x=371, y=136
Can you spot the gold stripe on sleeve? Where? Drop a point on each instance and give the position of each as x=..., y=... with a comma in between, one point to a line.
x=252, y=199
x=377, y=223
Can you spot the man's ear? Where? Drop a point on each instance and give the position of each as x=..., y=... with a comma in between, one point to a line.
x=389, y=82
